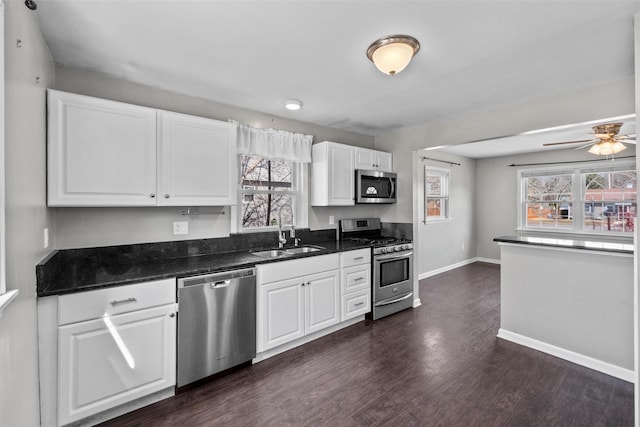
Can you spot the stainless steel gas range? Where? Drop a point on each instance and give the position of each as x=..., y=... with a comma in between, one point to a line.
x=392, y=265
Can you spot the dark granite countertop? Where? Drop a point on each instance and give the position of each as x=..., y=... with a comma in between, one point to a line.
x=75, y=270
x=569, y=243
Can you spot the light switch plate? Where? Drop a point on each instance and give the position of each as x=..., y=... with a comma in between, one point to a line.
x=180, y=227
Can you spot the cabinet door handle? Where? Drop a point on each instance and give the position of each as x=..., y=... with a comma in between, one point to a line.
x=172, y=315
x=123, y=301
x=152, y=195
x=302, y=283
x=166, y=196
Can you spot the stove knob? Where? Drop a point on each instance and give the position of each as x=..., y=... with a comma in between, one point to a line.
x=383, y=250
x=405, y=247
x=397, y=248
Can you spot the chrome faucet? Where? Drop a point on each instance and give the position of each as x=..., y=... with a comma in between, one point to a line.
x=282, y=239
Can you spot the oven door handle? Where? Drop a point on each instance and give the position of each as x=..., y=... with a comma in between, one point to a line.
x=392, y=256
x=380, y=304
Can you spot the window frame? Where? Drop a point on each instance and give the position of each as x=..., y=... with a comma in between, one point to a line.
x=299, y=189
x=578, y=197
x=445, y=184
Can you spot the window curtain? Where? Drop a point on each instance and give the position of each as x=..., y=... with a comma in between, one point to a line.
x=274, y=144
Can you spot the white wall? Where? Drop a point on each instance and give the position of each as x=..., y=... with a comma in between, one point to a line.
x=459, y=231
x=497, y=198
x=86, y=227
x=610, y=99
x=26, y=214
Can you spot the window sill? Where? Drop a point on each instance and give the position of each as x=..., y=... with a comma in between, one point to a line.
x=6, y=298
x=437, y=221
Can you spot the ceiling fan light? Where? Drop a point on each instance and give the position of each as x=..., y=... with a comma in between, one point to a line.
x=618, y=147
x=392, y=54
x=595, y=149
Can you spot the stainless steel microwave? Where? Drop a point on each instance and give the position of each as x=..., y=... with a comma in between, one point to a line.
x=375, y=186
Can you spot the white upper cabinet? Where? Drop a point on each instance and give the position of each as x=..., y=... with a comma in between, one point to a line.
x=332, y=174
x=107, y=153
x=100, y=153
x=368, y=159
x=197, y=161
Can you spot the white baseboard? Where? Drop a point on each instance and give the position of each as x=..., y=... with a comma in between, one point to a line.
x=488, y=260
x=456, y=265
x=416, y=303
x=571, y=356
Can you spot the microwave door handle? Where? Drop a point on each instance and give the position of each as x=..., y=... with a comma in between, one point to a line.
x=393, y=188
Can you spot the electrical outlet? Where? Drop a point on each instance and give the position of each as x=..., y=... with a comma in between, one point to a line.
x=180, y=227
x=45, y=238
x=331, y=220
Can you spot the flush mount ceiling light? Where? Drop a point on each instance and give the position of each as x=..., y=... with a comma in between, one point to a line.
x=392, y=54
x=292, y=104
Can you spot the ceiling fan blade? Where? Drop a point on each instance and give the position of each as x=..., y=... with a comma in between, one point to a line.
x=569, y=142
x=584, y=146
x=628, y=135
x=628, y=141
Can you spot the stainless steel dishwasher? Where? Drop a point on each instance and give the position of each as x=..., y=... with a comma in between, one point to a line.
x=216, y=323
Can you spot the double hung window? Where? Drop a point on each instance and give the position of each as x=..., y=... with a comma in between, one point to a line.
x=586, y=200
x=268, y=192
x=436, y=193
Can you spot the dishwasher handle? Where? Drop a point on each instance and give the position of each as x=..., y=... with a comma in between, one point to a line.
x=217, y=280
x=220, y=284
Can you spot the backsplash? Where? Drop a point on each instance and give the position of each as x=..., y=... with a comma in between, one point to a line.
x=401, y=230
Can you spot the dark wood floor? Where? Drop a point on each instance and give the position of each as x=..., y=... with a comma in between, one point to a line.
x=438, y=365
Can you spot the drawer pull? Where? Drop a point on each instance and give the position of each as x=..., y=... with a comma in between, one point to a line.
x=358, y=304
x=358, y=258
x=123, y=301
x=358, y=279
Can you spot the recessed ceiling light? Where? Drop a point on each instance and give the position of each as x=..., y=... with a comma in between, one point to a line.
x=292, y=104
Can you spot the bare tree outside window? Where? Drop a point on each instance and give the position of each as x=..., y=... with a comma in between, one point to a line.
x=266, y=186
x=549, y=201
x=592, y=200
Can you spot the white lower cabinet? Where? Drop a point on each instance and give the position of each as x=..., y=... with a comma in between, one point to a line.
x=296, y=298
x=282, y=312
x=105, y=349
x=355, y=283
x=112, y=360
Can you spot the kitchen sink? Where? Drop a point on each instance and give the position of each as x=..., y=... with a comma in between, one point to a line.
x=280, y=253
x=274, y=253
x=304, y=249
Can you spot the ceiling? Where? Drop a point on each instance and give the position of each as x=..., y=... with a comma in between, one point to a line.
x=532, y=141
x=475, y=55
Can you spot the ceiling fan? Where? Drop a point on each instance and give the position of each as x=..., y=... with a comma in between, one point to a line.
x=606, y=140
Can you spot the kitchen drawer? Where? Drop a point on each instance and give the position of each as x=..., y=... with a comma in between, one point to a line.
x=356, y=304
x=356, y=278
x=357, y=257
x=120, y=299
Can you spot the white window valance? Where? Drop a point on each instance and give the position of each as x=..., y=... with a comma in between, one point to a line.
x=274, y=144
